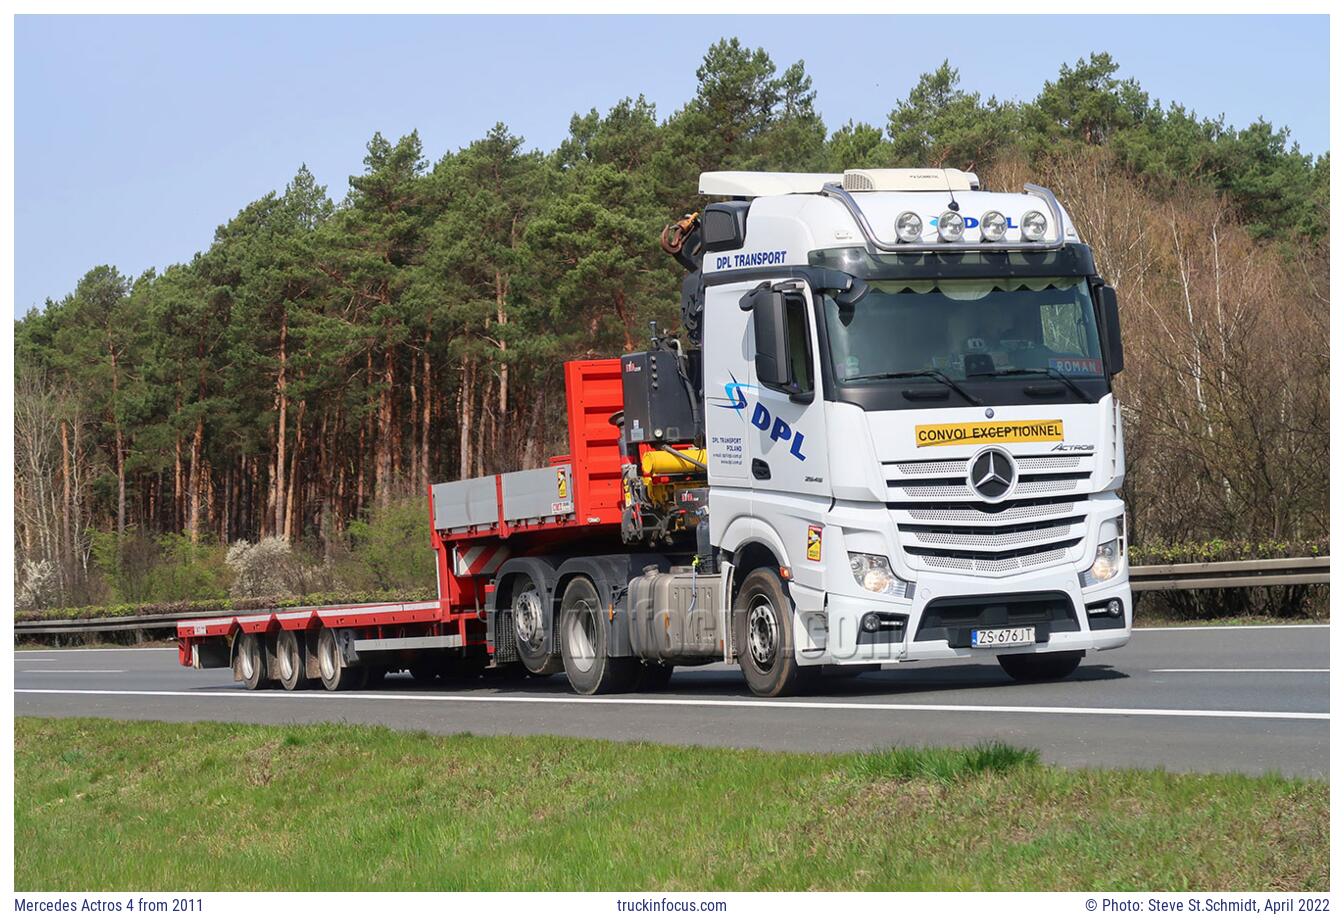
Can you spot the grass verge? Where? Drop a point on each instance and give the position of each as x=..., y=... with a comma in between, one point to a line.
x=110, y=805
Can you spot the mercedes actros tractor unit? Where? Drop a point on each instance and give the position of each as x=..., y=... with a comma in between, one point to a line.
x=886, y=433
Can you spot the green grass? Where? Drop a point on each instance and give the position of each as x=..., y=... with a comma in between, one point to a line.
x=108, y=805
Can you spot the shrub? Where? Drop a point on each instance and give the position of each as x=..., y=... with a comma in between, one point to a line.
x=1276, y=601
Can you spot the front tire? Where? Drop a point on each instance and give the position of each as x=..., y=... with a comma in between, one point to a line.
x=1046, y=666
x=584, y=635
x=336, y=674
x=763, y=634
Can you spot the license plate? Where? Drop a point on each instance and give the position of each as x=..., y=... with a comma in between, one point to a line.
x=998, y=638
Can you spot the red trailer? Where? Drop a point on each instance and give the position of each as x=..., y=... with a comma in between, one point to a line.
x=477, y=525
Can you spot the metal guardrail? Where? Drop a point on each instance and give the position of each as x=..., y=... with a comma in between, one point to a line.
x=1252, y=573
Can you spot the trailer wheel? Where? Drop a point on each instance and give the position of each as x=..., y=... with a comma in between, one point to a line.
x=336, y=675
x=583, y=643
x=289, y=655
x=763, y=634
x=1048, y=666
x=528, y=612
x=252, y=661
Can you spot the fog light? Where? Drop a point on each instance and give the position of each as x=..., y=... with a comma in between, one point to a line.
x=1033, y=226
x=909, y=227
x=951, y=226
x=1113, y=608
x=871, y=621
x=993, y=226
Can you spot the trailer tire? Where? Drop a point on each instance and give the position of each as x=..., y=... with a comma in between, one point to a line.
x=289, y=653
x=763, y=634
x=585, y=641
x=531, y=629
x=252, y=661
x=336, y=674
x=1039, y=667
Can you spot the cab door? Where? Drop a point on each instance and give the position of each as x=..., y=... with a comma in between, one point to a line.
x=786, y=437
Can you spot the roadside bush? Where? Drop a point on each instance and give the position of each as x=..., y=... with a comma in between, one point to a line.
x=272, y=567
x=388, y=552
x=1275, y=602
x=140, y=568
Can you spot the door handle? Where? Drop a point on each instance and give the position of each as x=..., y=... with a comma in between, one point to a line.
x=760, y=469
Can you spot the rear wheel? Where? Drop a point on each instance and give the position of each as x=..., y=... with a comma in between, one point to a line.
x=584, y=642
x=336, y=675
x=252, y=661
x=531, y=629
x=763, y=634
x=1047, y=666
x=289, y=657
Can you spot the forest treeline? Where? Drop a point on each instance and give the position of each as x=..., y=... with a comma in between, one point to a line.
x=328, y=355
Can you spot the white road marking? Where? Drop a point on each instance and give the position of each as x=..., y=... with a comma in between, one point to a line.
x=81, y=651
x=72, y=671
x=26, y=660
x=1251, y=626
x=1240, y=670
x=260, y=695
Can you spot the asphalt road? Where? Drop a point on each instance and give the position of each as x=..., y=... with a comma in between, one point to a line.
x=1242, y=699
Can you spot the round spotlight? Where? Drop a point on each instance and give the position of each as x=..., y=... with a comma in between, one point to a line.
x=1033, y=226
x=909, y=227
x=951, y=226
x=1114, y=608
x=993, y=226
x=871, y=622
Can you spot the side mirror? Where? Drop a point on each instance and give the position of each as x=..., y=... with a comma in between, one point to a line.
x=1110, y=330
x=772, y=339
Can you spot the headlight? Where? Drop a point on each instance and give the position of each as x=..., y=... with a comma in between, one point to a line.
x=993, y=226
x=950, y=226
x=1033, y=226
x=873, y=573
x=1110, y=555
x=909, y=227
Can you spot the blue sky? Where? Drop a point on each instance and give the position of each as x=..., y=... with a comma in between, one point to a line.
x=135, y=136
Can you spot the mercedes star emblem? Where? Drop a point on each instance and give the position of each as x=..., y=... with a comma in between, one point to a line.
x=992, y=474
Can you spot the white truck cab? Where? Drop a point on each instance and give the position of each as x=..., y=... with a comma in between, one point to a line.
x=908, y=414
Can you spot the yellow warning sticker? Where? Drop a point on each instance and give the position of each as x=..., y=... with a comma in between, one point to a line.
x=561, y=484
x=989, y=432
x=814, y=542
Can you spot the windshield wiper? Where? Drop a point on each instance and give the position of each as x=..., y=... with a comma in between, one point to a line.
x=927, y=372
x=1048, y=371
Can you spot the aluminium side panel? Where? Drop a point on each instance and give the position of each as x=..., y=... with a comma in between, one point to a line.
x=533, y=494
x=466, y=503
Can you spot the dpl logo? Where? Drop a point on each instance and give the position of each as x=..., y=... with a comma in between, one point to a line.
x=779, y=430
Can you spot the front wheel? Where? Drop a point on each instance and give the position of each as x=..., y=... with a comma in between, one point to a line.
x=1046, y=666
x=584, y=642
x=763, y=634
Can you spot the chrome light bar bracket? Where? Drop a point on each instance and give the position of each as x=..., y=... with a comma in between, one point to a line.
x=875, y=245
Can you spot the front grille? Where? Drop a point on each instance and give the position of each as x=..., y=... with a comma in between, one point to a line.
x=1027, y=484
x=945, y=525
x=923, y=468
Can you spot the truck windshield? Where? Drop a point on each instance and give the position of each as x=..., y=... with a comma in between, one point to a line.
x=966, y=329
